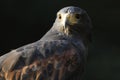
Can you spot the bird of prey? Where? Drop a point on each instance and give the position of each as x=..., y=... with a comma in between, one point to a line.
x=59, y=55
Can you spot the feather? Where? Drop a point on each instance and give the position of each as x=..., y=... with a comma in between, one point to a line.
x=58, y=55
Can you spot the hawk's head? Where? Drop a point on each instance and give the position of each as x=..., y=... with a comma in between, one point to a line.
x=73, y=20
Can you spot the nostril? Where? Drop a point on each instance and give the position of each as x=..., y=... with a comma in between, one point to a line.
x=67, y=10
x=77, y=16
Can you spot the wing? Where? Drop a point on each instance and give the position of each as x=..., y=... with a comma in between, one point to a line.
x=43, y=60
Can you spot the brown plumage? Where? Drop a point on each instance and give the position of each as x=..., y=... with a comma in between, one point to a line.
x=59, y=55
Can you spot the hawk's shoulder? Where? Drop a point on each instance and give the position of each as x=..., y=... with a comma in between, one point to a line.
x=39, y=50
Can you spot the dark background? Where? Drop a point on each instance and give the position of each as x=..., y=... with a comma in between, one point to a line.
x=25, y=21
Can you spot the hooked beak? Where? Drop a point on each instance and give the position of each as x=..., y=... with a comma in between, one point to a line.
x=65, y=20
x=70, y=19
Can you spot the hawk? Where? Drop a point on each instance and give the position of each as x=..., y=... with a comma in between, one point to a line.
x=59, y=55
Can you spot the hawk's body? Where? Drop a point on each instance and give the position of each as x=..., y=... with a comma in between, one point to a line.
x=59, y=55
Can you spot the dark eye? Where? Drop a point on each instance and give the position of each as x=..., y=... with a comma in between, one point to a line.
x=59, y=16
x=77, y=16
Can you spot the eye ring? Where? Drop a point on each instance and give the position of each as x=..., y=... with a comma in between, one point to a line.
x=77, y=16
x=59, y=16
